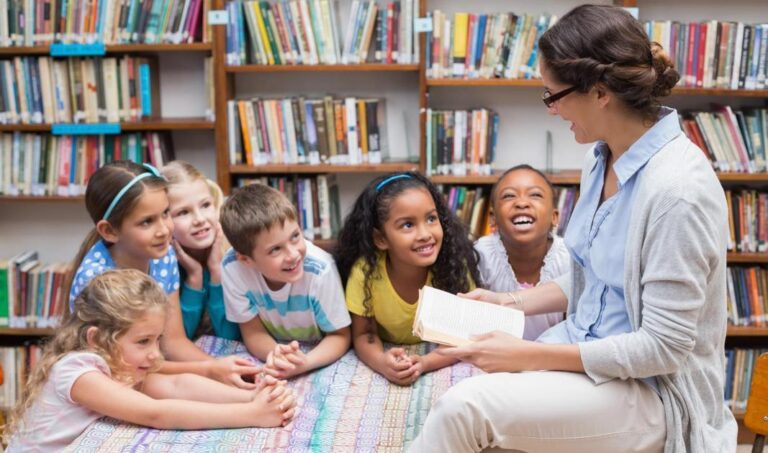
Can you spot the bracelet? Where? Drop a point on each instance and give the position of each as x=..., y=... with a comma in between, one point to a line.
x=517, y=299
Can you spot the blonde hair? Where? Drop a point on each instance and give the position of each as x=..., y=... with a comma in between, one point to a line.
x=181, y=172
x=112, y=302
x=251, y=210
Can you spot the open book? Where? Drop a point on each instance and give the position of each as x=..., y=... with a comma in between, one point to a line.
x=448, y=319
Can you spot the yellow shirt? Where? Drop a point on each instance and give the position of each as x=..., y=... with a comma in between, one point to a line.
x=394, y=316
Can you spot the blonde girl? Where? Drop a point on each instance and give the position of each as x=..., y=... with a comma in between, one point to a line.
x=199, y=245
x=101, y=362
x=128, y=204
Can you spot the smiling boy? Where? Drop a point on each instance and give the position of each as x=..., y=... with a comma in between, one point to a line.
x=279, y=288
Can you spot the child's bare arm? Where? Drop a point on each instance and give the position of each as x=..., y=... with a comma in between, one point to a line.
x=392, y=364
x=288, y=361
x=256, y=338
x=194, y=388
x=101, y=394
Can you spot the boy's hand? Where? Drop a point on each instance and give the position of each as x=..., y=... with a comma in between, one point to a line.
x=398, y=367
x=230, y=370
x=287, y=360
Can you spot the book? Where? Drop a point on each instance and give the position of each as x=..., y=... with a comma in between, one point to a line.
x=445, y=318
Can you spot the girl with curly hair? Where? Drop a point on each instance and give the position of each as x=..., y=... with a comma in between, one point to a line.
x=103, y=362
x=399, y=237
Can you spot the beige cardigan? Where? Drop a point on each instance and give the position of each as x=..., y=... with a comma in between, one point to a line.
x=675, y=291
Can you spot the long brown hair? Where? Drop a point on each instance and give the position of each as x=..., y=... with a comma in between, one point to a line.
x=604, y=43
x=103, y=187
x=112, y=302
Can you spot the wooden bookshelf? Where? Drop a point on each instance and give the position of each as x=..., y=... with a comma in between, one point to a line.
x=386, y=167
x=364, y=67
x=40, y=199
x=115, y=49
x=747, y=331
x=748, y=258
x=27, y=331
x=564, y=177
x=146, y=124
x=677, y=91
x=730, y=177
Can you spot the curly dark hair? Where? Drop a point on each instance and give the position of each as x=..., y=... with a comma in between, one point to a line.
x=604, y=43
x=370, y=212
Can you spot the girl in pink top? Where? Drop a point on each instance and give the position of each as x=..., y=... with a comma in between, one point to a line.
x=102, y=361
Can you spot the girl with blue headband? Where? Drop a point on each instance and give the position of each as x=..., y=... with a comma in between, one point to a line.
x=399, y=237
x=129, y=205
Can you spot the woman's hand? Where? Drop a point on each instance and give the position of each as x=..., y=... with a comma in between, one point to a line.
x=496, y=352
x=191, y=266
x=483, y=295
x=230, y=370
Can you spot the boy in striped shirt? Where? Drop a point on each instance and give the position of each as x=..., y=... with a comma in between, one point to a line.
x=278, y=287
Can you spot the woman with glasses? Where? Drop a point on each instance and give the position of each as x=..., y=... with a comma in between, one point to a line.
x=638, y=364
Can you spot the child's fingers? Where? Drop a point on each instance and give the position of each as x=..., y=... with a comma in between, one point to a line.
x=283, y=364
x=404, y=374
x=246, y=370
x=239, y=382
x=287, y=415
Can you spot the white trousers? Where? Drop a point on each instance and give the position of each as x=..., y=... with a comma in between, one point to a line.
x=544, y=412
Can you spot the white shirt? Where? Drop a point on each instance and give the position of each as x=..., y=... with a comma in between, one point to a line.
x=54, y=420
x=497, y=275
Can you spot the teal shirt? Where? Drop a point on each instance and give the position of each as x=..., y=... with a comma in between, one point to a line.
x=211, y=298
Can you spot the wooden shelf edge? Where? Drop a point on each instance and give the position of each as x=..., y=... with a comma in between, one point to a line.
x=749, y=258
x=40, y=199
x=364, y=67
x=117, y=48
x=747, y=331
x=27, y=331
x=148, y=124
x=386, y=167
x=561, y=177
x=743, y=177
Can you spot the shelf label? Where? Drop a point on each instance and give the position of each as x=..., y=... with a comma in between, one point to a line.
x=86, y=129
x=422, y=25
x=218, y=17
x=78, y=50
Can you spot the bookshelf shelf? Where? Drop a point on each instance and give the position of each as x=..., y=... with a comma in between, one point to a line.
x=678, y=91
x=564, y=177
x=386, y=167
x=148, y=124
x=116, y=48
x=27, y=331
x=365, y=67
x=743, y=177
x=748, y=258
x=39, y=199
x=747, y=331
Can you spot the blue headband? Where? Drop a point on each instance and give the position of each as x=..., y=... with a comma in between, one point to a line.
x=390, y=179
x=151, y=171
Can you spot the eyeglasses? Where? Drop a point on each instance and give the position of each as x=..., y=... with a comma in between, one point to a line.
x=550, y=98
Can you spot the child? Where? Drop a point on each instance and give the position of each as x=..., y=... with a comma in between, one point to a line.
x=278, y=287
x=524, y=250
x=198, y=242
x=101, y=363
x=399, y=237
x=129, y=205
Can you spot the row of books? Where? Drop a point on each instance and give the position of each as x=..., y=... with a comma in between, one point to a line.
x=733, y=140
x=748, y=221
x=300, y=130
x=501, y=45
x=31, y=291
x=38, y=90
x=307, y=32
x=715, y=54
x=461, y=142
x=740, y=364
x=17, y=362
x=316, y=199
x=43, y=164
x=747, y=296
x=40, y=22
x=472, y=206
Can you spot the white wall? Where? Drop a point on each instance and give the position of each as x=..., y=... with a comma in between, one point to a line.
x=56, y=229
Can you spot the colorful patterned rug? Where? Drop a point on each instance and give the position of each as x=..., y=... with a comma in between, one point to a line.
x=345, y=406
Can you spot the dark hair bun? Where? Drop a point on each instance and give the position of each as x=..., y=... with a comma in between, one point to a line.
x=666, y=75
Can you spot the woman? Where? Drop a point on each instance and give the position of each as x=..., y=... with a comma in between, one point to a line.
x=638, y=364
